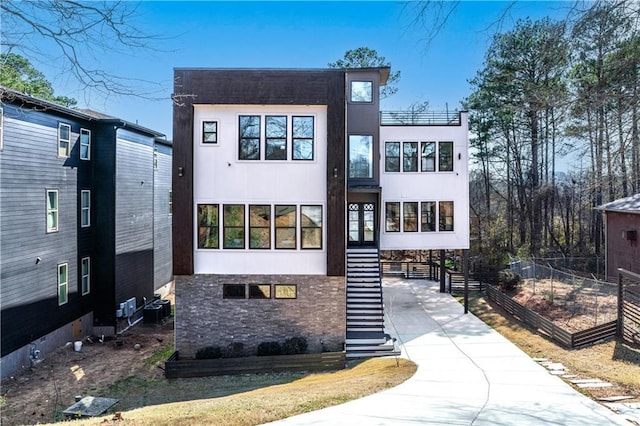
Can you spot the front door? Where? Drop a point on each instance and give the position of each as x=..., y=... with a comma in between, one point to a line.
x=362, y=224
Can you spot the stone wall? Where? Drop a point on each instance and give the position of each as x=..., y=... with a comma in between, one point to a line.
x=204, y=318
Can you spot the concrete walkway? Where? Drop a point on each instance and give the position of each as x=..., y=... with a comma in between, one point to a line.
x=468, y=374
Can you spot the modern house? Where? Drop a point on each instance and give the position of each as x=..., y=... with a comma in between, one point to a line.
x=622, y=226
x=287, y=184
x=85, y=225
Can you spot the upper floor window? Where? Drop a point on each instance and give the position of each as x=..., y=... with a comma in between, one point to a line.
x=85, y=208
x=85, y=269
x=428, y=157
x=209, y=132
x=392, y=156
x=361, y=156
x=302, y=138
x=432, y=157
x=361, y=91
x=276, y=137
x=445, y=156
x=249, y=137
x=85, y=144
x=52, y=210
x=64, y=139
x=63, y=283
x=208, y=232
x=233, y=226
x=410, y=156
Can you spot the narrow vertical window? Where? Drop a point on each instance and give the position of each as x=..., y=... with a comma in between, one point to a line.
x=210, y=132
x=155, y=158
x=410, y=156
x=445, y=156
x=85, y=269
x=361, y=91
x=410, y=217
x=249, y=137
x=285, y=221
x=52, y=210
x=302, y=138
x=446, y=216
x=260, y=226
x=392, y=217
x=85, y=144
x=275, y=137
x=428, y=157
x=392, y=156
x=208, y=230
x=170, y=202
x=63, y=283
x=360, y=157
x=428, y=216
x=85, y=208
x=64, y=139
x=311, y=227
x=233, y=226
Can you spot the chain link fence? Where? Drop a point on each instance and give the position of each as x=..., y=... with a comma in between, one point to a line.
x=587, y=302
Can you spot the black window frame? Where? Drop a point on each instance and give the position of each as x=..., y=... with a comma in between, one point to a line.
x=310, y=227
x=425, y=155
x=398, y=216
x=408, y=217
x=412, y=157
x=427, y=213
x=442, y=159
x=253, y=226
x=442, y=219
x=206, y=132
x=297, y=138
x=370, y=96
x=228, y=228
x=205, y=228
x=397, y=157
x=234, y=291
x=278, y=208
x=270, y=138
x=252, y=138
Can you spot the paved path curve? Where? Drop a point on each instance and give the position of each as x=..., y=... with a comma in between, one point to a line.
x=468, y=374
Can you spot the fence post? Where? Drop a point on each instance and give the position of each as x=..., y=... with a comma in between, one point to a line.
x=619, y=325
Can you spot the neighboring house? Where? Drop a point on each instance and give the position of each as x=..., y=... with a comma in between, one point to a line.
x=85, y=224
x=287, y=183
x=622, y=228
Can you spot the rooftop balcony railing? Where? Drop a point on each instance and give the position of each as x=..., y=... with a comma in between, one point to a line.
x=410, y=118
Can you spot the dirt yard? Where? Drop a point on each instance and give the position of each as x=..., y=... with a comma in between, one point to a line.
x=40, y=394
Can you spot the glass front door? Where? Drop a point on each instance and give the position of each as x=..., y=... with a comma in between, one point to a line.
x=362, y=224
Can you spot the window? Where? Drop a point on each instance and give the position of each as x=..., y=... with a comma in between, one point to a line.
x=360, y=157
x=276, y=137
x=361, y=91
x=285, y=227
x=233, y=226
x=285, y=291
x=392, y=222
x=302, y=138
x=410, y=154
x=85, y=208
x=85, y=144
x=234, y=291
x=52, y=210
x=410, y=217
x=85, y=269
x=208, y=232
x=392, y=157
x=64, y=139
x=260, y=227
x=311, y=227
x=210, y=132
x=155, y=158
x=428, y=216
x=170, y=202
x=445, y=156
x=249, y=137
x=259, y=291
x=428, y=157
x=63, y=283
x=446, y=216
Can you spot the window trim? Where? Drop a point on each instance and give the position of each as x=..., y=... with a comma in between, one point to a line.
x=86, y=144
x=203, y=132
x=371, y=92
x=87, y=276
x=64, y=284
x=55, y=209
x=84, y=208
x=67, y=151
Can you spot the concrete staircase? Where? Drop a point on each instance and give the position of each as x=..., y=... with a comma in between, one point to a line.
x=365, y=315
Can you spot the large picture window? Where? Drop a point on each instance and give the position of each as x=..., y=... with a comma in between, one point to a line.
x=428, y=157
x=410, y=217
x=302, y=138
x=233, y=226
x=85, y=208
x=64, y=139
x=85, y=144
x=410, y=156
x=445, y=156
x=276, y=137
x=52, y=210
x=392, y=157
x=361, y=91
x=249, y=137
x=208, y=230
x=311, y=227
x=85, y=269
x=63, y=283
x=428, y=216
x=285, y=220
x=446, y=215
x=260, y=226
x=392, y=217
x=360, y=156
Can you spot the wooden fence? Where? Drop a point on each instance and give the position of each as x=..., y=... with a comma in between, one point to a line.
x=174, y=367
x=558, y=334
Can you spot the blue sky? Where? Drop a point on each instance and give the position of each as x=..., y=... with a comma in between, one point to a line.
x=303, y=34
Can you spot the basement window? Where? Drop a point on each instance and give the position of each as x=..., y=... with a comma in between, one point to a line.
x=234, y=291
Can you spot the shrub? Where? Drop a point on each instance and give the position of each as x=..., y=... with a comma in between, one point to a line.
x=209, y=352
x=269, y=348
x=508, y=280
x=295, y=345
